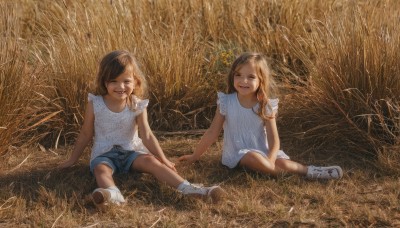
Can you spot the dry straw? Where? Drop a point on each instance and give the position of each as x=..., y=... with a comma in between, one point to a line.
x=335, y=59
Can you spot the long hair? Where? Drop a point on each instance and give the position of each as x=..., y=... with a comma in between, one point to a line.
x=267, y=85
x=114, y=64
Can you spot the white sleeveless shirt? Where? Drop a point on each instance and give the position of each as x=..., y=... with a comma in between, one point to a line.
x=111, y=128
x=244, y=130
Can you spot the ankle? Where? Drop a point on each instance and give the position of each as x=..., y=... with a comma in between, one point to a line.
x=181, y=187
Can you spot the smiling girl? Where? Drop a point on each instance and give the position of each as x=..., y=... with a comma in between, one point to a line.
x=113, y=119
x=247, y=115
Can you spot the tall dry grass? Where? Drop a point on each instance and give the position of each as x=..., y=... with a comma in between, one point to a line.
x=19, y=80
x=351, y=102
x=335, y=61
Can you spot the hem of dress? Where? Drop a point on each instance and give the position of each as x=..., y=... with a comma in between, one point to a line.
x=281, y=155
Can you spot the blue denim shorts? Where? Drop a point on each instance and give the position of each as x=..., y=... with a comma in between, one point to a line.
x=118, y=159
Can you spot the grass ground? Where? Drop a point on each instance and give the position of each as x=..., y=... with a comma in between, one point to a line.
x=33, y=193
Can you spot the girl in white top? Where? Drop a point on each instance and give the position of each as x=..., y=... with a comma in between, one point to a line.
x=114, y=117
x=247, y=115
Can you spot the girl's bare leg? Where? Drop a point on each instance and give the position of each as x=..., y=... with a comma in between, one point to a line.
x=291, y=166
x=150, y=164
x=107, y=190
x=259, y=163
x=103, y=175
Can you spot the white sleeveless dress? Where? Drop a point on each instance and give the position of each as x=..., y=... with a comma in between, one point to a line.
x=244, y=130
x=111, y=128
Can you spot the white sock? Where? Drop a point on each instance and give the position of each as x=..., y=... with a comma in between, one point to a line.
x=115, y=194
x=182, y=185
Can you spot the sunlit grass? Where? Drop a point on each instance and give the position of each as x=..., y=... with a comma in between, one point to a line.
x=338, y=52
x=34, y=193
x=337, y=67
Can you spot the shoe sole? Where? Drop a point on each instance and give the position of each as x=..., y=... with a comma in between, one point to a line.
x=217, y=194
x=340, y=171
x=101, y=196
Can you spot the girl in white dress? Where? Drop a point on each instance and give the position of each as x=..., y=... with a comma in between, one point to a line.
x=114, y=117
x=247, y=115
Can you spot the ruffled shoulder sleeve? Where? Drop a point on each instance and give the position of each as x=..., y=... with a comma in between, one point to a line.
x=139, y=104
x=91, y=97
x=222, y=99
x=272, y=106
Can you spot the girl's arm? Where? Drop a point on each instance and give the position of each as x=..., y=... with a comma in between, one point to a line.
x=209, y=137
x=85, y=136
x=272, y=139
x=150, y=141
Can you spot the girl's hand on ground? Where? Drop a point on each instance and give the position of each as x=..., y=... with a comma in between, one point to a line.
x=187, y=158
x=65, y=164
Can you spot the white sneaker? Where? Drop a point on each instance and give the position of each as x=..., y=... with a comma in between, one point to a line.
x=215, y=193
x=330, y=172
x=104, y=196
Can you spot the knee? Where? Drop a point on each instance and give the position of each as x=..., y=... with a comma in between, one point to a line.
x=282, y=164
x=102, y=169
x=251, y=157
x=254, y=159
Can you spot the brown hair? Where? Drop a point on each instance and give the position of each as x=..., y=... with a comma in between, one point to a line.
x=264, y=74
x=114, y=64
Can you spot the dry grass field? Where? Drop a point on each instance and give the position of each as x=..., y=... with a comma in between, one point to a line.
x=336, y=63
x=35, y=194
